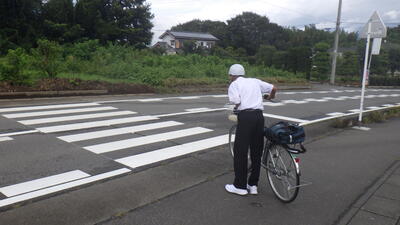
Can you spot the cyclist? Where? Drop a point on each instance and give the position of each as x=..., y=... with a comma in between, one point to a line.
x=246, y=94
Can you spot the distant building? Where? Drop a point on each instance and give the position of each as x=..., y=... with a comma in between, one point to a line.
x=176, y=39
x=163, y=45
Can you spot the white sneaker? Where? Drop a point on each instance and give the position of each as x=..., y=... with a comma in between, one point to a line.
x=232, y=189
x=252, y=189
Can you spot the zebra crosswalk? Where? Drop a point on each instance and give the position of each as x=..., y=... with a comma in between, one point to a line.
x=109, y=129
x=139, y=140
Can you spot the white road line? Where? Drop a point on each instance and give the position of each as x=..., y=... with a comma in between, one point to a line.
x=336, y=114
x=56, y=112
x=31, y=108
x=133, y=142
x=196, y=109
x=388, y=105
x=46, y=191
x=189, y=97
x=184, y=113
x=150, y=100
x=293, y=102
x=41, y=183
x=373, y=107
x=77, y=117
x=328, y=98
x=285, y=118
x=118, y=131
x=315, y=100
x=219, y=96
x=19, y=133
x=5, y=139
x=353, y=112
x=172, y=152
x=103, y=123
x=273, y=104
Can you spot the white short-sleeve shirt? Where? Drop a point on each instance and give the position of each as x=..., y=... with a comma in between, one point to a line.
x=248, y=92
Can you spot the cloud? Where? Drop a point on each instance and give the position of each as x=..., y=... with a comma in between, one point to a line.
x=392, y=15
x=296, y=13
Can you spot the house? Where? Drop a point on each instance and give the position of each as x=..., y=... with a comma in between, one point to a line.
x=163, y=45
x=175, y=39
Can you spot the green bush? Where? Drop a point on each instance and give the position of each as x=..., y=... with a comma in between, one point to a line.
x=384, y=80
x=48, y=57
x=11, y=68
x=122, y=63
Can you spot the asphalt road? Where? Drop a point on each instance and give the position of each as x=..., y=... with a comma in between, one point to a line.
x=86, y=160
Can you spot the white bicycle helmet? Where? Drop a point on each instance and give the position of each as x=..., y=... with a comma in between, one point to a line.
x=236, y=70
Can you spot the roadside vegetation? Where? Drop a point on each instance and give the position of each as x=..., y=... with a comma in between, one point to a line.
x=369, y=117
x=91, y=44
x=91, y=61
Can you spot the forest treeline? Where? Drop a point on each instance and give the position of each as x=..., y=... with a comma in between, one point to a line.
x=67, y=38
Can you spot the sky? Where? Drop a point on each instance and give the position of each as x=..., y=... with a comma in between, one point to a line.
x=297, y=13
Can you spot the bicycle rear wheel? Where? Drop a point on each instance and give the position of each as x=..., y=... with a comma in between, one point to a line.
x=282, y=174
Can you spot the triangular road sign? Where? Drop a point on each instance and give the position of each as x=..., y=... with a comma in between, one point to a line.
x=378, y=28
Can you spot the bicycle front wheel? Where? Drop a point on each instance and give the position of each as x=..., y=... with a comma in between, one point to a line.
x=231, y=142
x=282, y=174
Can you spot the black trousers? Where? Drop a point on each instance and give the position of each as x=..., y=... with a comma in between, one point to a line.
x=249, y=134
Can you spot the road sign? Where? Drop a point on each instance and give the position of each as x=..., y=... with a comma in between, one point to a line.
x=378, y=28
x=376, y=46
x=375, y=28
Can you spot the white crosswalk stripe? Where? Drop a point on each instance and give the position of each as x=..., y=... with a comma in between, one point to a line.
x=172, y=152
x=56, y=112
x=117, y=131
x=133, y=142
x=77, y=117
x=5, y=139
x=37, y=184
x=32, y=108
x=103, y=123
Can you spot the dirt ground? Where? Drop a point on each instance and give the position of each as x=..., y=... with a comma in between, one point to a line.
x=62, y=84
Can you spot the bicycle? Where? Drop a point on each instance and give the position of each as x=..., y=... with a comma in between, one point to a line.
x=280, y=162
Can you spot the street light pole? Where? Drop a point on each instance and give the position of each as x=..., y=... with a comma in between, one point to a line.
x=333, y=71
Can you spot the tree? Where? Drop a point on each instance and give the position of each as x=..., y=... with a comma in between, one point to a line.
x=121, y=21
x=394, y=59
x=59, y=21
x=279, y=59
x=265, y=55
x=298, y=59
x=348, y=65
x=20, y=23
x=320, y=61
x=250, y=30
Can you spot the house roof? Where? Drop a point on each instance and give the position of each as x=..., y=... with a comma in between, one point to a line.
x=190, y=35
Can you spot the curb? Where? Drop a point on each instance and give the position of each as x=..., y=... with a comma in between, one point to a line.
x=40, y=94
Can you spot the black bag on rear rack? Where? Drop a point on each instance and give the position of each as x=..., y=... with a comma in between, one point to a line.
x=285, y=133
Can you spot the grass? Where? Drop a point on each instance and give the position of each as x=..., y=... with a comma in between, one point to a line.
x=371, y=117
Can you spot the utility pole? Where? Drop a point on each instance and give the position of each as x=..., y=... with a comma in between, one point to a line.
x=335, y=48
